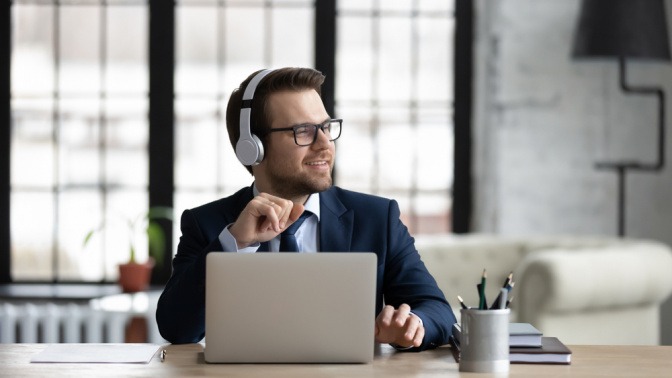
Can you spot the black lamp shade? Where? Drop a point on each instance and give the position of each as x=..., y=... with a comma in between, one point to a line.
x=622, y=28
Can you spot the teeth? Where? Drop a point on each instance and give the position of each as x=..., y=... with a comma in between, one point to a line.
x=317, y=163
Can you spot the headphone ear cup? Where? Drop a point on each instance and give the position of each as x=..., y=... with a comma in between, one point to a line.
x=250, y=151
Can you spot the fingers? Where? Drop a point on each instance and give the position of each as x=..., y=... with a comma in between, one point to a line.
x=399, y=326
x=282, y=212
x=415, y=331
x=276, y=210
x=402, y=315
x=264, y=218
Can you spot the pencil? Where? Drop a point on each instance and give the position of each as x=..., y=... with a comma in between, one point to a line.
x=508, y=302
x=482, y=305
x=462, y=303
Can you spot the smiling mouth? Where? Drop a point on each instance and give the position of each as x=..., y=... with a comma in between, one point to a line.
x=317, y=163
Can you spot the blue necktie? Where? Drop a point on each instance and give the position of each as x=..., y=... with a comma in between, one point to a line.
x=287, y=239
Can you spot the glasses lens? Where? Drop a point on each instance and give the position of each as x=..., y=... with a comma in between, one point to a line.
x=333, y=129
x=304, y=134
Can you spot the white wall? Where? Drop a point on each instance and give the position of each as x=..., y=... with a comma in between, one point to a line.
x=543, y=119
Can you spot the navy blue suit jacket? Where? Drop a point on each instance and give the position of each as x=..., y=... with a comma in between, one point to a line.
x=349, y=221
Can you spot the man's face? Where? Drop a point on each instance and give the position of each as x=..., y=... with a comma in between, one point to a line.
x=288, y=170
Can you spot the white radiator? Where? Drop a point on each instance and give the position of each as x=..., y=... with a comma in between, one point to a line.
x=54, y=323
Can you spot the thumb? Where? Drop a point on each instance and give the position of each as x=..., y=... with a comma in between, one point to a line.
x=296, y=212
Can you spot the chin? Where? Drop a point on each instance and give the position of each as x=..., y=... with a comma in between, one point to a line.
x=317, y=186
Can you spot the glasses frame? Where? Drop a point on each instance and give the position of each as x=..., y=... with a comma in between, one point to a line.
x=320, y=126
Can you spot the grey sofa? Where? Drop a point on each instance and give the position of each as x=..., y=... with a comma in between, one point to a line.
x=583, y=290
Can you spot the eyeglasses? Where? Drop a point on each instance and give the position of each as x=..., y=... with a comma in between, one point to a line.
x=306, y=134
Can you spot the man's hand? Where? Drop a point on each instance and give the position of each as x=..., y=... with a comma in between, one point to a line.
x=399, y=326
x=264, y=218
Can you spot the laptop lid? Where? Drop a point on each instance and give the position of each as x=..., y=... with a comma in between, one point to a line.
x=290, y=307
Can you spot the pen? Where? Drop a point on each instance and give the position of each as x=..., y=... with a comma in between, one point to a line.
x=163, y=355
x=499, y=301
x=462, y=303
x=503, y=293
x=508, y=279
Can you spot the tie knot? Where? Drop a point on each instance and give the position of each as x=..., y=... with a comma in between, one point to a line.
x=291, y=230
x=288, y=242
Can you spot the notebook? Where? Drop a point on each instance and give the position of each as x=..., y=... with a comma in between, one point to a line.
x=290, y=307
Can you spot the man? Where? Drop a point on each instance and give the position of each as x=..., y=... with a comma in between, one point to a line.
x=292, y=172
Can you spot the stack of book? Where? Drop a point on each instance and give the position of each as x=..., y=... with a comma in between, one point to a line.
x=527, y=345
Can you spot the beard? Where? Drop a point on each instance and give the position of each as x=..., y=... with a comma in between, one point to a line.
x=287, y=184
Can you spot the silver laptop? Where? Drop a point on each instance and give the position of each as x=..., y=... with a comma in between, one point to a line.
x=290, y=307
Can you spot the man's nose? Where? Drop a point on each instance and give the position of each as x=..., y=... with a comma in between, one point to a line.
x=322, y=138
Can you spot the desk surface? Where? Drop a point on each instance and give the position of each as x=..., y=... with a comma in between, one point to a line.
x=187, y=360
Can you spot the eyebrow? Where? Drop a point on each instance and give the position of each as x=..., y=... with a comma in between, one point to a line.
x=310, y=124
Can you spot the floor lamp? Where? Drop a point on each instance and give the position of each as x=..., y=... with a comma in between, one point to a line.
x=626, y=29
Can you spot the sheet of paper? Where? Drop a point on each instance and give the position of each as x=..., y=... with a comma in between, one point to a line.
x=97, y=353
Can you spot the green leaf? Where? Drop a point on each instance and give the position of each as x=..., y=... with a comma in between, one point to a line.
x=88, y=237
x=157, y=241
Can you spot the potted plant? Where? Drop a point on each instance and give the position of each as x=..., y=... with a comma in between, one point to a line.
x=133, y=275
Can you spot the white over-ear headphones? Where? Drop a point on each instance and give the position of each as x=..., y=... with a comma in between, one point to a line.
x=249, y=149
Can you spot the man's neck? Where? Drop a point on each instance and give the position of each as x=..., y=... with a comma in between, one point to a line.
x=259, y=189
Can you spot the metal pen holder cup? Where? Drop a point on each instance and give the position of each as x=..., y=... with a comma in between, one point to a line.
x=484, y=342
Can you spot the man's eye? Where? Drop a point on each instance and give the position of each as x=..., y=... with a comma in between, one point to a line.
x=301, y=130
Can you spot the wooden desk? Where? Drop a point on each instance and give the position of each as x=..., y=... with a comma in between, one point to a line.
x=187, y=361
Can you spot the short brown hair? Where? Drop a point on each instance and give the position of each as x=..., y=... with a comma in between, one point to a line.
x=282, y=79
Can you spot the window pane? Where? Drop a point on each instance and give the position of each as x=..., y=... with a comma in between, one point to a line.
x=32, y=220
x=356, y=59
x=79, y=49
x=360, y=5
x=292, y=37
x=436, y=6
x=126, y=140
x=32, y=50
x=197, y=149
x=32, y=157
x=394, y=65
x=78, y=138
x=435, y=73
x=245, y=32
x=79, y=213
x=196, y=49
x=127, y=50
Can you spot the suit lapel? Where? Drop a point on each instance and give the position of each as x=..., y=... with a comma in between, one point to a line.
x=336, y=223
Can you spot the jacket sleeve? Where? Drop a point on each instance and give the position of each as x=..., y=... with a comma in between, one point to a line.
x=407, y=280
x=180, y=312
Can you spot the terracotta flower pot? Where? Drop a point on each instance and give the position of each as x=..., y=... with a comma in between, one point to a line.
x=134, y=277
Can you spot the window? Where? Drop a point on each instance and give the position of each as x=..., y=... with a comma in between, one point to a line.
x=79, y=135
x=394, y=91
x=81, y=140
